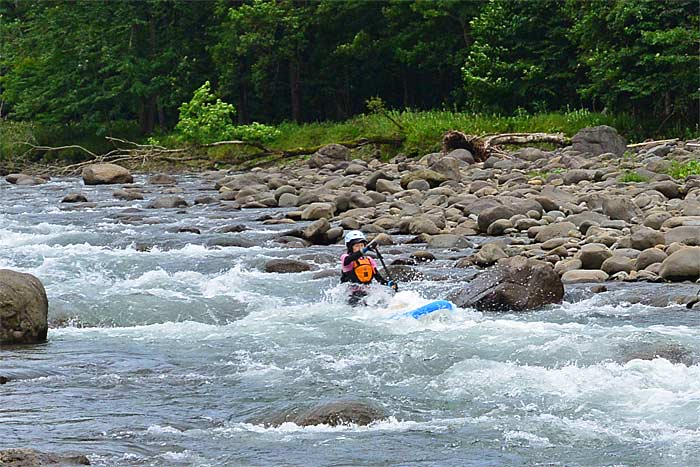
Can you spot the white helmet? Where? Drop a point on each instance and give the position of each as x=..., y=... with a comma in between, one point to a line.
x=354, y=236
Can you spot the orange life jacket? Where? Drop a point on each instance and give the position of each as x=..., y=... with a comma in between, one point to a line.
x=363, y=270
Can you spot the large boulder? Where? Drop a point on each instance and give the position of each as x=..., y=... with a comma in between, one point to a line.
x=23, y=308
x=682, y=265
x=598, y=140
x=104, y=174
x=329, y=154
x=514, y=284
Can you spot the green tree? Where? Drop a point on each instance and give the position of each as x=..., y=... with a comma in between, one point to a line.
x=96, y=62
x=640, y=57
x=521, y=57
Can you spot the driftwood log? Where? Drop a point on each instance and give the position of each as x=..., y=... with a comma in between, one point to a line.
x=483, y=147
x=133, y=153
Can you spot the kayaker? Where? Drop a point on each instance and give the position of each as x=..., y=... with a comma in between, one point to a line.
x=359, y=269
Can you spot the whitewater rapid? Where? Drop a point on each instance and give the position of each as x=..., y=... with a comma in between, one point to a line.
x=167, y=350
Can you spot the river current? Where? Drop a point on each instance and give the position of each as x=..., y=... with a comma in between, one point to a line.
x=166, y=348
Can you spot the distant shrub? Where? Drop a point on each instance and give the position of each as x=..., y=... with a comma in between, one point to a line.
x=630, y=176
x=680, y=171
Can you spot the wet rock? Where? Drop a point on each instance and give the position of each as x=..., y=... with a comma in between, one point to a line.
x=449, y=241
x=74, y=198
x=167, y=202
x=286, y=266
x=674, y=353
x=23, y=457
x=24, y=179
x=162, y=179
x=599, y=140
x=514, y=284
x=682, y=265
x=104, y=174
x=189, y=229
x=127, y=195
x=330, y=413
x=423, y=256
x=233, y=228
x=23, y=308
x=230, y=242
x=403, y=273
x=292, y=241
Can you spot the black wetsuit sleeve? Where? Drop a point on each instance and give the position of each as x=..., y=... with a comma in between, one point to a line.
x=352, y=257
x=379, y=277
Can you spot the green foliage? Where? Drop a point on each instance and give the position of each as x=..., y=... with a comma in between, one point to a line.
x=630, y=176
x=680, y=171
x=255, y=132
x=205, y=118
x=88, y=64
x=640, y=56
x=521, y=58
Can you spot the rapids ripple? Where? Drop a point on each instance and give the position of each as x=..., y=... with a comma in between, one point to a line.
x=163, y=349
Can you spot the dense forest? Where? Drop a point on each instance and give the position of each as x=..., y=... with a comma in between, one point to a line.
x=100, y=62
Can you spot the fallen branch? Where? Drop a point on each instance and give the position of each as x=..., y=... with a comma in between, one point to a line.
x=651, y=143
x=483, y=147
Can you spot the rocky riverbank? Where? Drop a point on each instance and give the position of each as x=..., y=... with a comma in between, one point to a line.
x=568, y=207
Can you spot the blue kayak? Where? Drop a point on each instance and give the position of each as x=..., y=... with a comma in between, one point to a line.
x=425, y=309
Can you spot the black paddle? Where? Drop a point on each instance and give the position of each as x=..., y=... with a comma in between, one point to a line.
x=381, y=259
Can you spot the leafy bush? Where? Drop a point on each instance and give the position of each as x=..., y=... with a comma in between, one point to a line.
x=680, y=171
x=255, y=132
x=205, y=118
x=630, y=176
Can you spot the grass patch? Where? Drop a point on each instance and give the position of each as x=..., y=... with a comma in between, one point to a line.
x=630, y=176
x=679, y=171
x=421, y=131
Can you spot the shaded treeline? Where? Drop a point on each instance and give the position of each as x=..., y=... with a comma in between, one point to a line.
x=96, y=63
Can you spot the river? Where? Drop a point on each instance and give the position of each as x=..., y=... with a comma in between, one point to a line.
x=166, y=349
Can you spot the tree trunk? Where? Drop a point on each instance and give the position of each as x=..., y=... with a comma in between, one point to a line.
x=242, y=110
x=295, y=90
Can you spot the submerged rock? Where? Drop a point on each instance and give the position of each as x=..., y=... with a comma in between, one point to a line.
x=23, y=308
x=329, y=413
x=514, y=284
x=286, y=266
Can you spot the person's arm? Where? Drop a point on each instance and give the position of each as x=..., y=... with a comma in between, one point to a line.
x=352, y=257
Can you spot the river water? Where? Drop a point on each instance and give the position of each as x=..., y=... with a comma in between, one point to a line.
x=168, y=348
